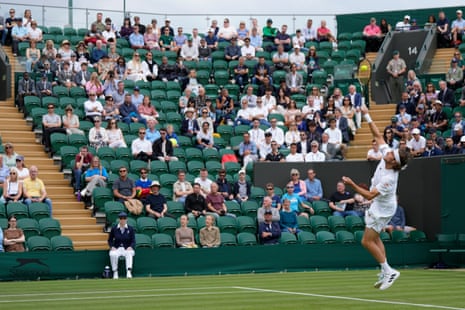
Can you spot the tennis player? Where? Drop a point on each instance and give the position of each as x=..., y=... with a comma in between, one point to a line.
x=383, y=193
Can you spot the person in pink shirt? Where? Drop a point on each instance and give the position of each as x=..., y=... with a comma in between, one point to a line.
x=373, y=36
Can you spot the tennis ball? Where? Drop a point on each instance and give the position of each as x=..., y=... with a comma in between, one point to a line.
x=363, y=68
x=174, y=142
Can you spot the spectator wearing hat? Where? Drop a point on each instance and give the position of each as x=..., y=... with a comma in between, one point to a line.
x=65, y=50
x=417, y=144
x=269, y=231
x=82, y=53
x=22, y=170
x=454, y=76
x=155, y=203
x=396, y=69
x=93, y=107
x=403, y=25
x=71, y=121
x=211, y=39
x=298, y=58
x=44, y=87
x=204, y=50
x=269, y=32
x=122, y=242
x=457, y=28
x=19, y=34
x=438, y=119
x=189, y=125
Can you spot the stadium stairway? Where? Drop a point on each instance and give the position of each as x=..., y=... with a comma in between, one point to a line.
x=76, y=222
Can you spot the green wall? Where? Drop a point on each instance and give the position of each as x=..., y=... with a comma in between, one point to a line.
x=225, y=260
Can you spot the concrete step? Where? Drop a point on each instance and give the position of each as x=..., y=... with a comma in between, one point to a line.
x=87, y=236
x=60, y=212
x=73, y=220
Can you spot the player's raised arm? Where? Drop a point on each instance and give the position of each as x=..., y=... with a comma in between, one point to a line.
x=373, y=128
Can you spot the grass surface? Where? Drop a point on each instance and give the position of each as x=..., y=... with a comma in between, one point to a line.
x=415, y=289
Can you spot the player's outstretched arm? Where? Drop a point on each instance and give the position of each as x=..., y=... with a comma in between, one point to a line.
x=373, y=128
x=364, y=192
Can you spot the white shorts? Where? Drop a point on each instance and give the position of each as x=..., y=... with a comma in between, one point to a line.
x=376, y=223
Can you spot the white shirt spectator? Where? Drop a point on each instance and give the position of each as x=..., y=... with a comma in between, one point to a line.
x=93, y=108
x=335, y=135
x=415, y=145
x=248, y=51
x=260, y=111
x=190, y=52
x=139, y=145
x=315, y=157
x=297, y=157
x=277, y=134
x=257, y=135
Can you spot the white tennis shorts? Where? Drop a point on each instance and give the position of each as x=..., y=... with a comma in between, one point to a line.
x=376, y=223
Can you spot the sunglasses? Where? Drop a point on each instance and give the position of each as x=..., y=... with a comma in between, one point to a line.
x=12, y=173
x=122, y=171
x=269, y=189
x=8, y=147
x=50, y=107
x=142, y=133
x=290, y=187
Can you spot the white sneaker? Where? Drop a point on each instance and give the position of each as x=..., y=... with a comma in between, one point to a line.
x=129, y=274
x=84, y=192
x=389, y=279
x=380, y=280
x=115, y=275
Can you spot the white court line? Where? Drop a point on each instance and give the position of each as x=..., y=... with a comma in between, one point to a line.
x=347, y=298
x=16, y=301
x=112, y=292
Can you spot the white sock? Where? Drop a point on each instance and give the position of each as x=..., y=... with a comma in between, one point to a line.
x=385, y=267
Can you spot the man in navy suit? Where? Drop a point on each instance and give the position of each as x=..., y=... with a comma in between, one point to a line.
x=122, y=242
x=189, y=126
x=269, y=232
x=446, y=95
x=356, y=99
x=343, y=125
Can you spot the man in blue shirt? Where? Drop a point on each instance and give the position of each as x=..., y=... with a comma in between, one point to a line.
x=97, y=52
x=122, y=242
x=248, y=150
x=296, y=201
x=19, y=34
x=151, y=133
x=136, y=39
x=269, y=232
x=314, y=189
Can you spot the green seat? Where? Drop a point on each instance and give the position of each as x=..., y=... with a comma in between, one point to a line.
x=76, y=92
x=194, y=166
x=3, y=223
x=232, y=167
x=233, y=207
x=176, y=208
x=319, y=77
x=77, y=140
x=115, y=165
x=246, y=239
x=29, y=226
x=143, y=241
x=221, y=77
x=158, y=94
x=123, y=153
x=173, y=117
x=306, y=237
x=227, y=224
x=100, y=195
x=210, y=154
x=57, y=140
x=49, y=227
x=399, y=236
x=184, y=142
x=158, y=167
x=225, y=131
x=319, y=223
x=38, y=210
x=193, y=153
x=344, y=236
x=167, y=225
x=135, y=166
x=2, y=211
x=203, y=77
x=162, y=241
x=325, y=237
x=217, y=56
x=18, y=209
x=147, y=226
x=213, y=167
x=175, y=166
x=358, y=235
x=287, y=238
x=249, y=208
x=60, y=91
x=228, y=239
x=112, y=209
x=39, y=244
x=359, y=44
x=336, y=223
x=61, y=243
x=304, y=223
x=31, y=102
x=246, y=224
x=354, y=54
x=257, y=193
x=106, y=153
x=180, y=154
x=67, y=153
x=354, y=223
x=417, y=236
x=384, y=236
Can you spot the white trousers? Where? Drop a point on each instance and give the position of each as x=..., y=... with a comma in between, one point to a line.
x=115, y=255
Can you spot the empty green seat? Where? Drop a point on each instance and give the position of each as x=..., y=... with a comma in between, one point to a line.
x=29, y=226
x=228, y=239
x=306, y=237
x=38, y=244
x=319, y=223
x=143, y=241
x=246, y=239
x=49, y=227
x=147, y=226
x=287, y=238
x=325, y=237
x=61, y=243
x=162, y=241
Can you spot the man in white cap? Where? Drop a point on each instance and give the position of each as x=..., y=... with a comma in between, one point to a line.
x=417, y=144
x=404, y=25
x=122, y=241
x=155, y=203
x=457, y=28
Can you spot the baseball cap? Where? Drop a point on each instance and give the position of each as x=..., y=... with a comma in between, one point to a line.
x=296, y=46
x=458, y=12
x=136, y=88
x=269, y=20
x=20, y=157
x=407, y=17
x=438, y=102
x=269, y=211
x=122, y=214
x=242, y=171
x=396, y=52
x=394, y=119
x=415, y=131
x=462, y=139
x=155, y=183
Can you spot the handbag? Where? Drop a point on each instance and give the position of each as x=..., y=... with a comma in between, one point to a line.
x=134, y=206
